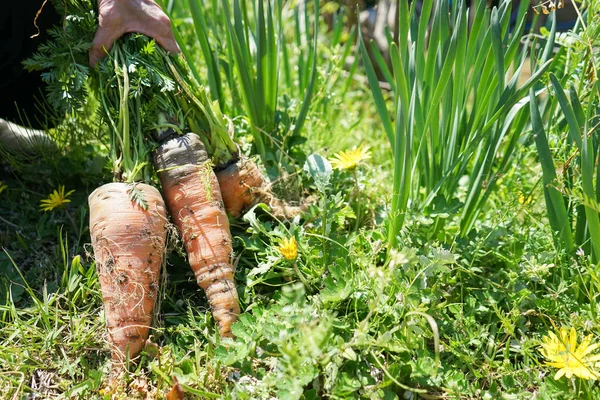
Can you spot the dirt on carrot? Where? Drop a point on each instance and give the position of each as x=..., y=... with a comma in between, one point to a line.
x=194, y=200
x=129, y=244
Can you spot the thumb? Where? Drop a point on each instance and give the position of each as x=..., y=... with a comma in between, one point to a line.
x=169, y=43
x=103, y=41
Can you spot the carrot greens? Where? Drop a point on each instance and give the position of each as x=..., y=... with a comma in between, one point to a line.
x=146, y=94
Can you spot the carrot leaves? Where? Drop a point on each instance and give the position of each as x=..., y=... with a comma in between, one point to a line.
x=137, y=196
x=143, y=91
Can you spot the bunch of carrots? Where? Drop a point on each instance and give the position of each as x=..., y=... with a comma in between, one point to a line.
x=160, y=120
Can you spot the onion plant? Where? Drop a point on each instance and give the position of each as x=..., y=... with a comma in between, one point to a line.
x=578, y=204
x=245, y=51
x=573, y=196
x=458, y=107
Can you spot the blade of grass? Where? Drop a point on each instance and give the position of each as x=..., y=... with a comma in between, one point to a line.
x=313, y=76
x=376, y=92
x=557, y=213
x=212, y=62
x=497, y=49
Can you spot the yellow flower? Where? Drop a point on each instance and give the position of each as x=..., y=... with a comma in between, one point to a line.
x=289, y=248
x=563, y=353
x=55, y=199
x=350, y=159
x=524, y=200
x=3, y=186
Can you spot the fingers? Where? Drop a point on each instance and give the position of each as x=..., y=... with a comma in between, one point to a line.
x=169, y=43
x=103, y=41
x=161, y=32
x=119, y=17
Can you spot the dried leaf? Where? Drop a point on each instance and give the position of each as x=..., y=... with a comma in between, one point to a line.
x=176, y=392
x=151, y=348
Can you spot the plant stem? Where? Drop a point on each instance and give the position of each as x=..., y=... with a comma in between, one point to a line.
x=301, y=277
x=357, y=198
x=325, y=230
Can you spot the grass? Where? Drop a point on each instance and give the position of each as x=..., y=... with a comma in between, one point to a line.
x=447, y=312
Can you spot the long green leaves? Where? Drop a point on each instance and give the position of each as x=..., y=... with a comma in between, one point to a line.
x=457, y=107
x=587, y=218
x=245, y=52
x=557, y=211
x=212, y=59
x=310, y=86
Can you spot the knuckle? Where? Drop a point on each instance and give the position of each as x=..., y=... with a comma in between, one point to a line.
x=163, y=19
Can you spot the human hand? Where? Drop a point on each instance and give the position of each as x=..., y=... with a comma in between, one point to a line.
x=117, y=17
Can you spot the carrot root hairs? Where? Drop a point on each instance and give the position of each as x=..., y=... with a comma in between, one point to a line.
x=129, y=244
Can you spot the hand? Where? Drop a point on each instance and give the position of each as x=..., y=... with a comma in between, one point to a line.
x=117, y=17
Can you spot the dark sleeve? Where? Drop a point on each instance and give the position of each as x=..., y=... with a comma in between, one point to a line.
x=20, y=89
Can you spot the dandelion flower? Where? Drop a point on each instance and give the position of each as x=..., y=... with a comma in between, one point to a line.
x=563, y=353
x=522, y=199
x=289, y=248
x=55, y=199
x=3, y=186
x=350, y=159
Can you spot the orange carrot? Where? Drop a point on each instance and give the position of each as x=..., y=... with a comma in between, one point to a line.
x=129, y=243
x=243, y=186
x=194, y=200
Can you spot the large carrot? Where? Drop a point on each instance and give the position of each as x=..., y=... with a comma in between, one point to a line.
x=193, y=196
x=129, y=243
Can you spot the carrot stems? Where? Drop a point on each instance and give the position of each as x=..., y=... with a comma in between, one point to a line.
x=222, y=148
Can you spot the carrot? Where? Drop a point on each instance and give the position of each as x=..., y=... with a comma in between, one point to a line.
x=129, y=244
x=243, y=186
x=194, y=200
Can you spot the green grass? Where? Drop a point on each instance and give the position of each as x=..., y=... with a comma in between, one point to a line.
x=447, y=312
